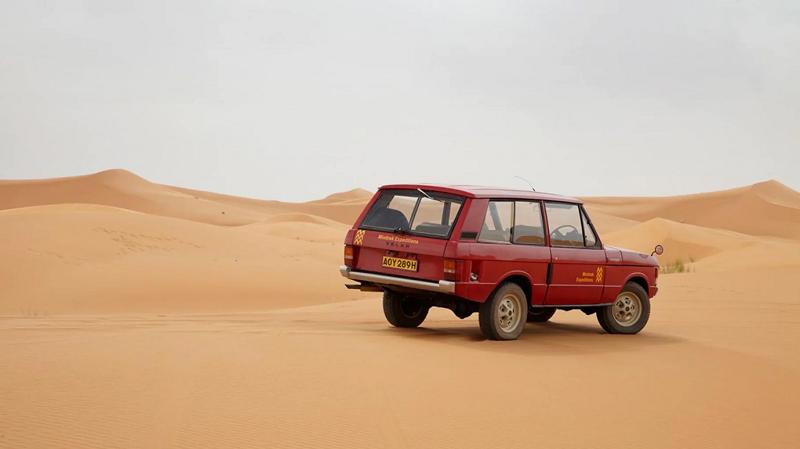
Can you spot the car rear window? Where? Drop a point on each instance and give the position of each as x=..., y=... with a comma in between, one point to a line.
x=424, y=213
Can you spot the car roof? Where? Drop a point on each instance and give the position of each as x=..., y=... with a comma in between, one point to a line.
x=471, y=191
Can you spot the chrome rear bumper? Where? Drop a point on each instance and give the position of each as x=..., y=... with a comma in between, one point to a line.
x=448, y=287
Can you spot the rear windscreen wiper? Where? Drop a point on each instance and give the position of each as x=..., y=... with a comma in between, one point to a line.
x=428, y=196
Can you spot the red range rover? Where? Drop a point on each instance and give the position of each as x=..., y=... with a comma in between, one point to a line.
x=512, y=256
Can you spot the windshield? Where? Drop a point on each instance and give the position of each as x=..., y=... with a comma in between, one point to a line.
x=425, y=213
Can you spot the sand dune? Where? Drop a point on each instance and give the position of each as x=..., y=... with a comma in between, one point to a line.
x=95, y=259
x=770, y=254
x=120, y=188
x=606, y=223
x=297, y=217
x=682, y=241
x=113, y=241
x=304, y=231
x=123, y=189
x=360, y=196
x=707, y=249
x=767, y=208
x=343, y=207
x=764, y=214
x=134, y=314
x=143, y=241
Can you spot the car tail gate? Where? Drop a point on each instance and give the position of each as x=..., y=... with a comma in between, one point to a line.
x=405, y=233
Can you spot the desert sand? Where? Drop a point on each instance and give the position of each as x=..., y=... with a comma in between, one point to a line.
x=140, y=315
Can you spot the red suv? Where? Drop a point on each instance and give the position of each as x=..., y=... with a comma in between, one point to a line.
x=513, y=256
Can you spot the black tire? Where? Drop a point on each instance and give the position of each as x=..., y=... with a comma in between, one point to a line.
x=622, y=317
x=540, y=314
x=403, y=310
x=497, y=310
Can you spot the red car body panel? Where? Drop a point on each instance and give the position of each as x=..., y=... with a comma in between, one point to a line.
x=555, y=276
x=428, y=252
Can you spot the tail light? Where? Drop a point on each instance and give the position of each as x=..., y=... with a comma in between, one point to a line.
x=451, y=269
x=350, y=255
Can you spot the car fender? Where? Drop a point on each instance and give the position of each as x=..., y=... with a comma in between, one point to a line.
x=638, y=274
x=348, y=238
x=506, y=276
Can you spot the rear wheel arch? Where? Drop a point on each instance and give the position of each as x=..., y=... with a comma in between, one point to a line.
x=522, y=280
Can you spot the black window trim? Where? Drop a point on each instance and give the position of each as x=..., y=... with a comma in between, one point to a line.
x=514, y=202
x=598, y=244
x=442, y=195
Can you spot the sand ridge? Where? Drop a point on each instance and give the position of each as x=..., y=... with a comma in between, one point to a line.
x=767, y=209
x=277, y=247
x=115, y=242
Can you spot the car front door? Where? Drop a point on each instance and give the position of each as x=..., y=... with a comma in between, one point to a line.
x=578, y=262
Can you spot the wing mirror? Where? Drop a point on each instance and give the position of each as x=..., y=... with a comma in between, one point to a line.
x=658, y=250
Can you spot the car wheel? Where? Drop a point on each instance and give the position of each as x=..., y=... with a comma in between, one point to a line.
x=540, y=314
x=403, y=310
x=629, y=312
x=503, y=316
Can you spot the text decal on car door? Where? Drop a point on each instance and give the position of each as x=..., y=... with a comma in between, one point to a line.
x=588, y=276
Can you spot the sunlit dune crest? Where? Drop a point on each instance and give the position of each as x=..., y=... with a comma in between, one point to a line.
x=767, y=208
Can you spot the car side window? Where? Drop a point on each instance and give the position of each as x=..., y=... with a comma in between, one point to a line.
x=590, y=239
x=528, y=226
x=565, y=225
x=497, y=223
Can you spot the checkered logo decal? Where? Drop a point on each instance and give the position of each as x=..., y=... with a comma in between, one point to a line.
x=359, y=237
x=598, y=277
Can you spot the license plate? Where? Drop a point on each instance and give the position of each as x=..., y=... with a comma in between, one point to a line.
x=398, y=263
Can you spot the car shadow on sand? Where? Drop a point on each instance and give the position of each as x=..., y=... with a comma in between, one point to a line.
x=551, y=338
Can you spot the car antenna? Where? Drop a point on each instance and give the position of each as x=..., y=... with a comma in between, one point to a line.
x=526, y=182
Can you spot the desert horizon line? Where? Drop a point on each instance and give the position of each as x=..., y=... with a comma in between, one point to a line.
x=359, y=189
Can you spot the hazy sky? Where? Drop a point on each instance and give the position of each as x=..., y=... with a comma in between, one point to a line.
x=297, y=99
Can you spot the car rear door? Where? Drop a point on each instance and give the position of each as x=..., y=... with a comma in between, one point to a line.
x=511, y=242
x=577, y=269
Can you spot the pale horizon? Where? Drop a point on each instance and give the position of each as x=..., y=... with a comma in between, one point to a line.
x=522, y=186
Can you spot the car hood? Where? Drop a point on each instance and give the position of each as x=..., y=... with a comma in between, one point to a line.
x=622, y=256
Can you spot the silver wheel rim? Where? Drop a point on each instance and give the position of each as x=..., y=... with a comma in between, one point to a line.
x=627, y=309
x=509, y=313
